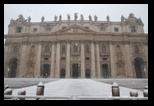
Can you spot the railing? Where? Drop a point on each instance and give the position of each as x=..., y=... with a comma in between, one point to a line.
x=24, y=97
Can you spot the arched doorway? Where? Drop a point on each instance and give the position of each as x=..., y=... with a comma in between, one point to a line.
x=139, y=67
x=75, y=71
x=62, y=73
x=87, y=73
x=45, y=72
x=105, y=71
x=12, y=67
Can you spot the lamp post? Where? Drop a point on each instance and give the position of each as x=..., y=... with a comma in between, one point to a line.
x=144, y=71
x=8, y=72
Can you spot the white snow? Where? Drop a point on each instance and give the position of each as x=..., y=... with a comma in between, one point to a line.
x=77, y=87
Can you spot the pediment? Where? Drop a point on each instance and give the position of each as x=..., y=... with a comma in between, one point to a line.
x=74, y=29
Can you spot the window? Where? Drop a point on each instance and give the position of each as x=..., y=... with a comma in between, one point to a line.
x=63, y=49
x=75, y=47
x=103, y=49
x=34, y=29
x=133, y=29
x=104, y=58
x=87, y=49
x=116, y=30
x=18, y=30
x=63, y=58
x=87, y=58
x=46, y=58
x=136, y=49
x=47, y=49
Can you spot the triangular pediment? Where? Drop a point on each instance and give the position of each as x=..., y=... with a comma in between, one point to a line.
x=74, y=29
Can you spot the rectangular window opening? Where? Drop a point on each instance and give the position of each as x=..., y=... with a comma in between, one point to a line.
x=87, y=58
x=18, y=30
x=46, y=58
x=34, y=29
x=63, y=58
x=104, y=58
x=116, y=30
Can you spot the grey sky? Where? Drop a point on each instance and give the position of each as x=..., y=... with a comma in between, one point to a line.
x=36, y=11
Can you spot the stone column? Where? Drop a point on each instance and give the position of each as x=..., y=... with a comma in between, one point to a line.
x=128, y=63
x=146, y=58
x=22, y=64
x=68, y=61
x=113, y=63
x=38, y=61
x=6, y=51
x=52, y=60
x=98, y=60
x=82, y=61
x=92, y=60
x=57, y=61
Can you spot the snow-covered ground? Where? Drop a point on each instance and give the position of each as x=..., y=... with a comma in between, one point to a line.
x=76, y=87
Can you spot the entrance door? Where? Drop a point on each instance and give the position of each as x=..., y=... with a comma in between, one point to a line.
x=75, y=71
x=62, y=73
x=45, y=70
x=105, y=71
x=138, y=62
x=87, y=73
x=13, y=68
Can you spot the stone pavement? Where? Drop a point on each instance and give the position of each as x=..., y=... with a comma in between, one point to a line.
x=76, y=87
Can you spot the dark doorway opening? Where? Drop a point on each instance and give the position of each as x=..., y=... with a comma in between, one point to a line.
x=62, y=73
x=139, y=68
x=45, y=72
x=12, y=68
x=75, y=71
x=87, y=73
x=105, y=71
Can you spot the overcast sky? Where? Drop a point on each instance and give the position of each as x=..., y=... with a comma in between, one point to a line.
x=36, y=11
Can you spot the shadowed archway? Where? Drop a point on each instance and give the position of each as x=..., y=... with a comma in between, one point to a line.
x=12, y=67
x=139, y=67
x=87, y=73
x=62, y=73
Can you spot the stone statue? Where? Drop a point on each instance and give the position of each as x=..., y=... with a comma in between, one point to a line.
x=42, y=19
x=108, y=19
x=11, y=21
x=95, y=17
x=55, y=18
x=131, y=15
x=68, y=16
x=75, y=16
x=122, y=18
x=60, y=18
x=82, y=17
x=29, y=19
x=139, y=20
x=90, y=19
x=20, y=16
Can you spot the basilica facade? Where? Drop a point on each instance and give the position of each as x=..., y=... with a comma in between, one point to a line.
x=76, y=48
